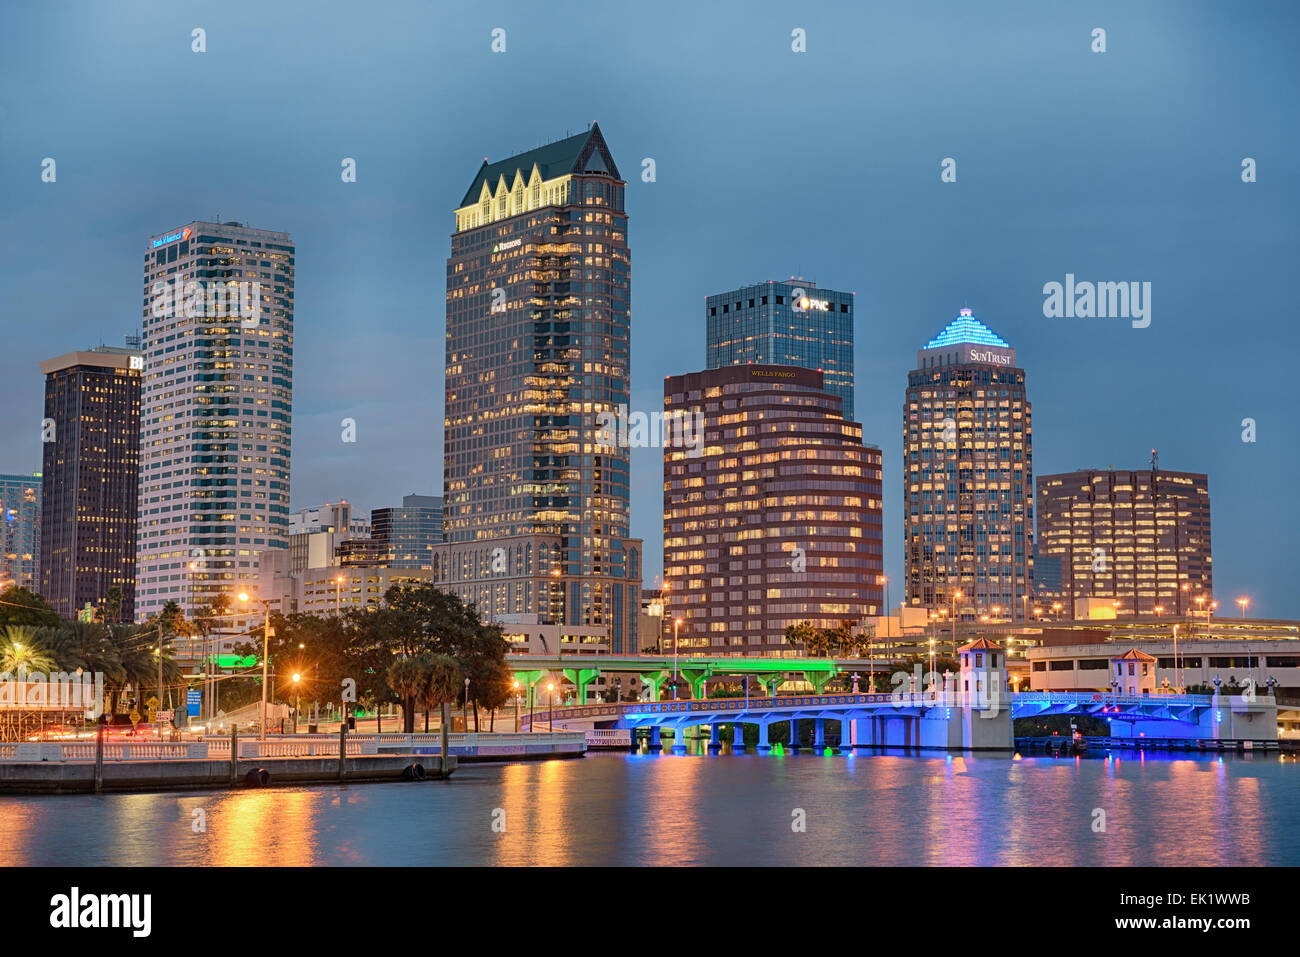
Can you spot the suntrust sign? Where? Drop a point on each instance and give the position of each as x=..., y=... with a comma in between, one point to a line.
x=991, y=356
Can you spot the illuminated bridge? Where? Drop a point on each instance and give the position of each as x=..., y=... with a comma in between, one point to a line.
x=935, y=719
x=654, y=670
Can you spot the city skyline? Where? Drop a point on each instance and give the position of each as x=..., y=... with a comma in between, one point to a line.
x=1190, y=379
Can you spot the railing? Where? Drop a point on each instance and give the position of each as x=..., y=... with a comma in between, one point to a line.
x=290, y=746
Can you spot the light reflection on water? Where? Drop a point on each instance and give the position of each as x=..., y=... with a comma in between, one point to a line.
x=641, y=809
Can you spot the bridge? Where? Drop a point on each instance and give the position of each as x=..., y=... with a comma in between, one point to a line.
x=654, y=670
x=939, y=718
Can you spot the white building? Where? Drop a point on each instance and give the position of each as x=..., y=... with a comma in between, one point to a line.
x=216, y=410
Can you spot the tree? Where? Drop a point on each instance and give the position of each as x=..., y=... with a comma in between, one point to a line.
x=803, y=633
x=113, y=605
x=21, y=606
x=24, y=646
x=408, y=678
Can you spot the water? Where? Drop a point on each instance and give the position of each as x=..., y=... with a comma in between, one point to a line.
x=736, y=810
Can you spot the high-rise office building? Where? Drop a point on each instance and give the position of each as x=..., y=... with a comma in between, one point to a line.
x=1139, y=538
x=91, y=481
x=790, y=323
x=772, y=516
x=410, y=531
x=968, y=477
x=216, y=410
x=20, y=531
x=538, y=346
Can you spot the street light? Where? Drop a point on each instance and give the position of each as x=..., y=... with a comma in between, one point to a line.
x=516, y=697
x=677, y=622
x=955, y=597
x=266, y=642
x=550, y=706
x=297, y=679
x=338, y=590
x=1244, y=603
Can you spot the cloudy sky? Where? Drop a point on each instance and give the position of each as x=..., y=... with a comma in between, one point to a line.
x=1117, y=166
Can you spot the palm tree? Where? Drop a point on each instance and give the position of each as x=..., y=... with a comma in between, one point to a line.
x=408, y=678
x=25, y=646
x=442, y=684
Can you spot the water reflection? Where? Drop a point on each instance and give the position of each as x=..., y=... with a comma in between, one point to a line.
x=882, y=809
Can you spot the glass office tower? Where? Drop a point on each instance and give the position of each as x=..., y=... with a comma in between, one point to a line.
x=538, y=345
x=791, y=323
x=91, y=481
x=968, y=481
x=410, y=531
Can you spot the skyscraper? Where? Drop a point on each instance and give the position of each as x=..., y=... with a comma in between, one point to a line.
x=968, y=476
x=538, y=346
x=1141, y=538
x=772, y=514
x=20, y=531
x=410, y=531
x=216, y=410
x=91, y=480
x=791, y=323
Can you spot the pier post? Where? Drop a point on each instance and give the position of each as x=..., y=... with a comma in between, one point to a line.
x=846, y=736
x=234, y=755
x=679, y=739
x=763, y=746
x=99, y=756
x=794, y=735
x=655, y=743
x=715, y=737
x=819, y=733
x=737, y=738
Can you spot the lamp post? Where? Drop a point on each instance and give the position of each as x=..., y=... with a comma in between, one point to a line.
x=338, y=594
x=677, y=622
x=467, y=706
x=266, y=643
x=931, y=675
x=516, y=697
x=297, y=679
x=955, y=597
x=1244, y=603
x=550, y=706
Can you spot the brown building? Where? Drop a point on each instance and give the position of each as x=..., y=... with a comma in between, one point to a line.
x=90, y=481
x=1140, y=538
x=968, y=485
x=772, y=517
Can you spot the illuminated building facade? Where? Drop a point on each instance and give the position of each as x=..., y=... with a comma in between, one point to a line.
x=968, y=479
x=776, y=521
x=1140, y=538
x=535, y=510
x=216, y=411
x=20, y=531
x=409, y=531
x=787, y=324
x=91, y=480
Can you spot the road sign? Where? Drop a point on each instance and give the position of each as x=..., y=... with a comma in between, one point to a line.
x=164, y=716
x=135, y=717
x=152, y=702
x=194, y=701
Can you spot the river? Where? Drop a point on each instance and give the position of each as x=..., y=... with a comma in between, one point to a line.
x=619, y=809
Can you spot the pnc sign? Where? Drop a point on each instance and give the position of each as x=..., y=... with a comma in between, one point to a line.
x=801, y=301
x=172, y=237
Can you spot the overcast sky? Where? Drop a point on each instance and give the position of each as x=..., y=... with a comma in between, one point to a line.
x=1117, y=166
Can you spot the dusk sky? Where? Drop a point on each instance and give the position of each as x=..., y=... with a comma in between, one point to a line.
x=1117, y=166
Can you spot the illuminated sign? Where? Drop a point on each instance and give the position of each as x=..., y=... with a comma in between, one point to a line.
x=137, y=362
x=771, y=374
x=801, y=301
x=991, y=357
x=508, y=244
x=172, y=237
